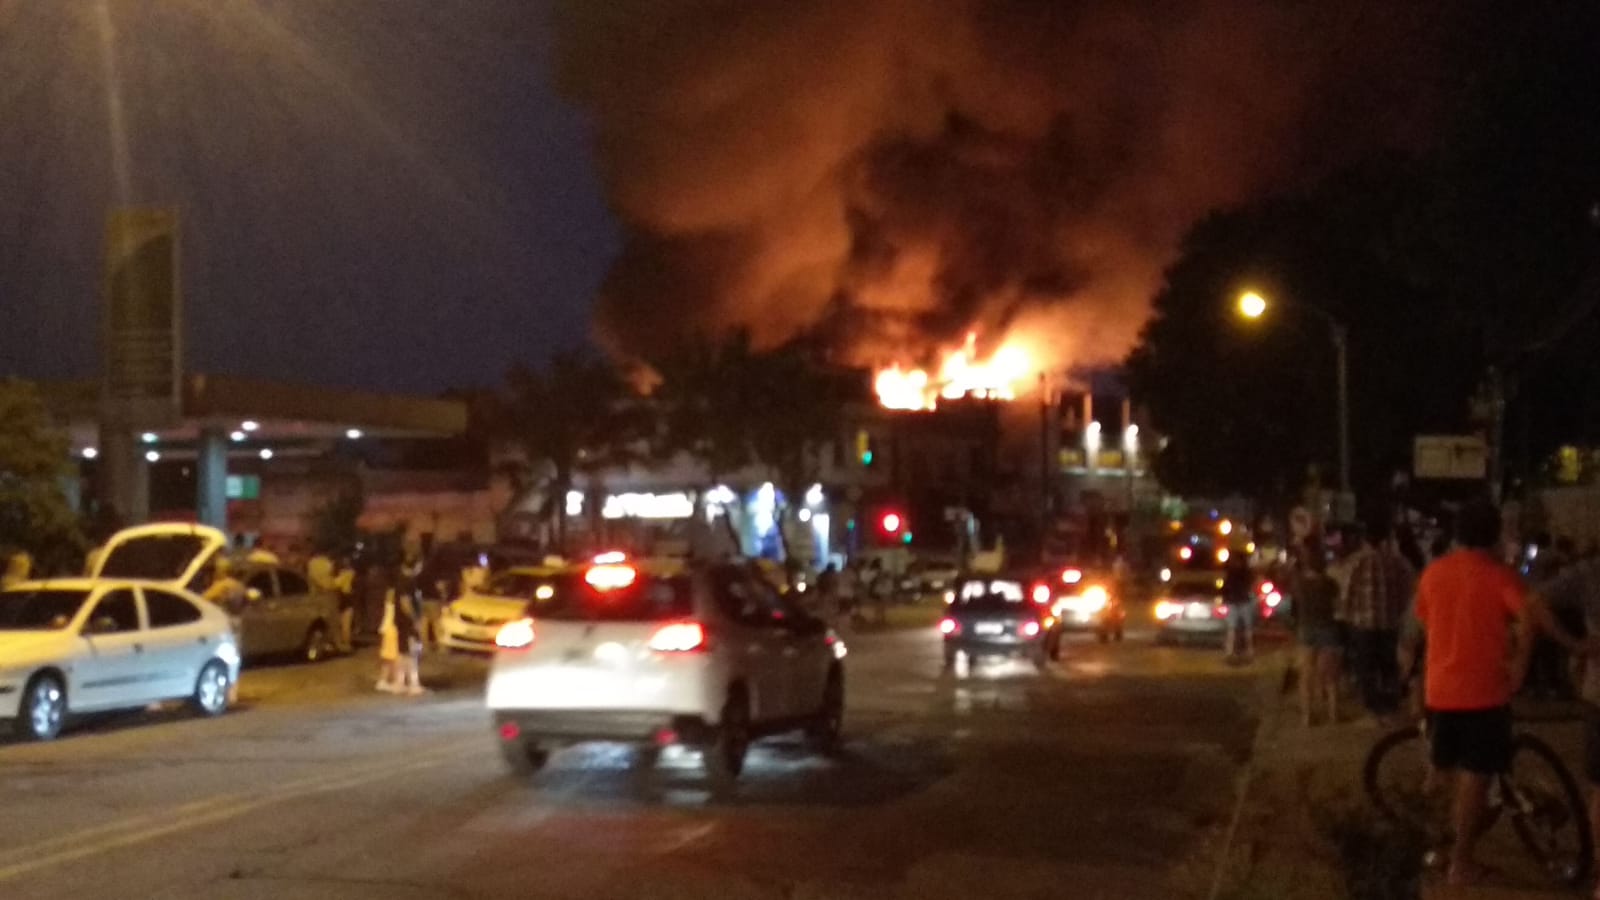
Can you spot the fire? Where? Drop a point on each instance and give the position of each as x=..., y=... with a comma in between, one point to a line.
x=961, y=374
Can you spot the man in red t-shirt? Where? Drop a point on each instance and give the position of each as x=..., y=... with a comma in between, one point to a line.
x=1469, y=604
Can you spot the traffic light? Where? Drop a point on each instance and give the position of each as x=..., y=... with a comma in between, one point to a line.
x=864, y=447
x=890, y=523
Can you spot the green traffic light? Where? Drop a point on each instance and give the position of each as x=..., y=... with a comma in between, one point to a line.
x=866, y=457
x=905, y=538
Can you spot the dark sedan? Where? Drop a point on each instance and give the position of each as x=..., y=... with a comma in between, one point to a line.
x=998, y=616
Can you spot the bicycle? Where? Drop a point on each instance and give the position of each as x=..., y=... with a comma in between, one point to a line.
x=1537, y=792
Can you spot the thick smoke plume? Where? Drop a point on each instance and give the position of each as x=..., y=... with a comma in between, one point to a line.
x=891, y=173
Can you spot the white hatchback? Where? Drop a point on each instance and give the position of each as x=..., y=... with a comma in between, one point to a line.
x=658, y=653
x=93, y=645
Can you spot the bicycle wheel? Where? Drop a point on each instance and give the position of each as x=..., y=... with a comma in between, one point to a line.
x=1547, y=810
x=1399, y=780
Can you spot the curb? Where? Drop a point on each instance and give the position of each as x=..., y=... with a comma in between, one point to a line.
x=1270, y=700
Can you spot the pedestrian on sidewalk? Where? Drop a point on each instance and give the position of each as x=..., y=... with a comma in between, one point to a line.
x=1316, y=594
x=1238, y=595
x=1373, y=605
x=1471, y=607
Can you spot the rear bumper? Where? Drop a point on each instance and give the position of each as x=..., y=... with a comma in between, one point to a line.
x=998, y=646
x=622, y=725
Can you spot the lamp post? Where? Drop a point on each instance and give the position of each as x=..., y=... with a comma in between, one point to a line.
x=1253, y=306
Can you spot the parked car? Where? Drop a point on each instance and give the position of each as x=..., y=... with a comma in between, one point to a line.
x=84, y=645
x=1005, y=615
x=657, y=653
x=470, y=622
x=279, y=614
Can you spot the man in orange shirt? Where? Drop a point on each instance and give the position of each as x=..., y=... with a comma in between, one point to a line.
x=1469, y=603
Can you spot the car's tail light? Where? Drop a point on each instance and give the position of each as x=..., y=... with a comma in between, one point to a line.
x=1221, y=611
x=949, y=626
x=1030, y=629
x=1267, y=588
x=1072, y=576
x=516, y=635
x=678, y=637
x=1041, y=593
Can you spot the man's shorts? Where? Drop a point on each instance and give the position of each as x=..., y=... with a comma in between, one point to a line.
x=1591, y=743
x=1476, y=740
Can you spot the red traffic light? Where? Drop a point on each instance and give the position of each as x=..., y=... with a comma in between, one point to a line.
x=891, y=522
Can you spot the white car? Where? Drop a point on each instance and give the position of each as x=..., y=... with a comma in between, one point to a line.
x=90, y=645
x=470, y=622
x=660, y=653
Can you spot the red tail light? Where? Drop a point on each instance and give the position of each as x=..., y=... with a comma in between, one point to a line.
x=1221, y=612
x=678, y=637
x=1030, y=629
x=949, y=626
x=516, y=635
x=1041, y=593
x=1267, y=588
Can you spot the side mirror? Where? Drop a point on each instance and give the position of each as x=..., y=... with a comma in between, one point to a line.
x=101, y=625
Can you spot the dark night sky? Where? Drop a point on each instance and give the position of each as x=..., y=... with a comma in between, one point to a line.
x=384, y=195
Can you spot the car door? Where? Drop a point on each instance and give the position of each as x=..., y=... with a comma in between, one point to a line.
x=259, y=622
x=755, y=639
x=178, y=641
x=807, y=656
x=298, y=608
x=114, y=673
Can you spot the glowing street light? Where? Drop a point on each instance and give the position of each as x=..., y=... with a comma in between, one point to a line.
x=1252, y=306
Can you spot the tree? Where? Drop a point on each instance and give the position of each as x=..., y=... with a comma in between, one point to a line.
x=34, y=513
x=733, y=406
x=576, y=416
x=334, y=525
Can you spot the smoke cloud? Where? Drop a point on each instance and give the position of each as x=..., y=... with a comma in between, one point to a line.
x=890, y=174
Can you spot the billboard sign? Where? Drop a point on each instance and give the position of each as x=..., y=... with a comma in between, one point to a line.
x=1450, y=457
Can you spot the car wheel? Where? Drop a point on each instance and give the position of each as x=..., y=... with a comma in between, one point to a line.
x=523, y=757
x=724, y=758
x=826, y=730
x=315, y=649
x=1055, y=647
x=211, y=690
x=43, y=710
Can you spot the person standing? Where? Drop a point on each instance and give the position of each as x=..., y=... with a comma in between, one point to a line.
x=1316, y=595
x=19, y=568
x=1373, y=608
x=1238, y=595
x=1471, y=607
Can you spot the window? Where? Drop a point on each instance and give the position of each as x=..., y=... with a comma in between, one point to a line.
x=120, y=608
x=166, y=610
x=291, y=585
x=40, y=610
x=262, y=583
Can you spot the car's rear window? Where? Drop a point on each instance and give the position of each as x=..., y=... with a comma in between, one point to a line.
x=516, y=584
x=39, y=610
x=649, y=599
x=991, y=595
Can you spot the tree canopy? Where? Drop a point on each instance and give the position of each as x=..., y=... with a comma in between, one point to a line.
x=34, y=513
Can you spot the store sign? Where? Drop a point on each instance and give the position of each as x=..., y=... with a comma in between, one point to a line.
x=1450, y=456
x=648, y=506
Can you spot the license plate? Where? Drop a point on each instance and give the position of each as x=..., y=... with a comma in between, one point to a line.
x=988, y=628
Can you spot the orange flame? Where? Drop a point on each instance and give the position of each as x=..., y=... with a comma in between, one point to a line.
x=961, y=374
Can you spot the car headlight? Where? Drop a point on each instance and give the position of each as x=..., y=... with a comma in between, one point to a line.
x=949, y=597
x=1095, y=598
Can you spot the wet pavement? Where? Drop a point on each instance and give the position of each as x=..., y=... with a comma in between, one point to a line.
x=1090, y=780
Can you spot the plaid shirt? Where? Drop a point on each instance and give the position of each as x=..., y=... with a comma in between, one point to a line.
x=1378, y=591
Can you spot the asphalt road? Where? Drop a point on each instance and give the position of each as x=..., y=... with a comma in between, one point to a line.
x=1088, y=781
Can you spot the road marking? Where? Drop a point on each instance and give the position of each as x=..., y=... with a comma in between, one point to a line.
x=139, y=830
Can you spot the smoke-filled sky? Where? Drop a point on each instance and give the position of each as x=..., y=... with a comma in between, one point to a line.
x=410, y=194
x=897, y=171
x=377, y=193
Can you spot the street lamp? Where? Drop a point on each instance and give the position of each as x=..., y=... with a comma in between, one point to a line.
x=1253, y=306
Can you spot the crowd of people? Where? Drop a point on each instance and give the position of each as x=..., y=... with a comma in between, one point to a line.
x=1452, y=635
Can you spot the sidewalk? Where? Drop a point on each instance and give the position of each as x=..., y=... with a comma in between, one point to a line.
x=1307, y=832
